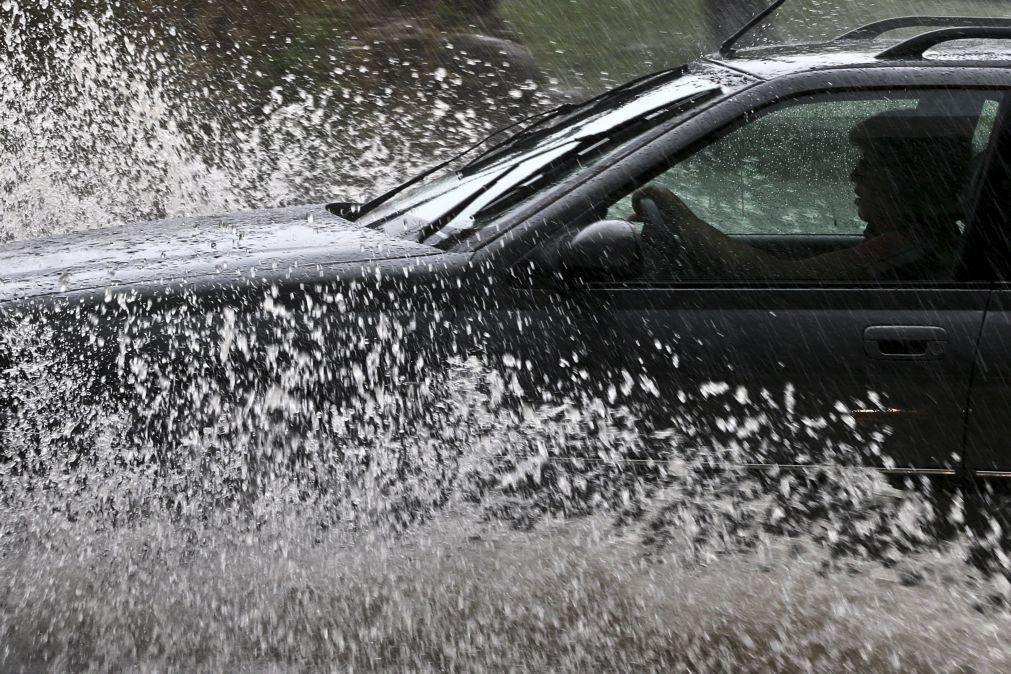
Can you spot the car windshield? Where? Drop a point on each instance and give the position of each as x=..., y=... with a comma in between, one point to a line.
x=446, y=210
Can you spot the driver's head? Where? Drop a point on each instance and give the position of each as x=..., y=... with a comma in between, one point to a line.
x=912, y=170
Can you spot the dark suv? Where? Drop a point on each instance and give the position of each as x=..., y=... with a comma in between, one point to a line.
x=687, y=245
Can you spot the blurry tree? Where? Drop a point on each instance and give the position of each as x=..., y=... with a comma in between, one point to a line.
x=372, y=43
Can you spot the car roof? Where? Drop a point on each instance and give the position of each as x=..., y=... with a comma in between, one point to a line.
x=777, y=61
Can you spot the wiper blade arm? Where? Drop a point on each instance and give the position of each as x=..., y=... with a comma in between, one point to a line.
x=354, y=212
x=580, y=145
x=539, y=119
x=595, y=104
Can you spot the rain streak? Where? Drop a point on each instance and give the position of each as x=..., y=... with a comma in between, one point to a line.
x=274, y=441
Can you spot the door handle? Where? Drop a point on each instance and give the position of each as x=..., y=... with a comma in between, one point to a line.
x=905, y=342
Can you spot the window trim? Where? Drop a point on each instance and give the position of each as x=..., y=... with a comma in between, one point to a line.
x=770, y=107
x=791, y=102
x=566, y=208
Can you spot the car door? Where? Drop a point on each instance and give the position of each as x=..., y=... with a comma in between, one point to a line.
x=988, y=453
x=873, y=372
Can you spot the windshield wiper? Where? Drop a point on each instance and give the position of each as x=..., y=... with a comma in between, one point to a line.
x=583, y=144
x=588, y=108
x=353, y=212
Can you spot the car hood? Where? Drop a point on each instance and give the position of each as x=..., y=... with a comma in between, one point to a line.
x=253, y=242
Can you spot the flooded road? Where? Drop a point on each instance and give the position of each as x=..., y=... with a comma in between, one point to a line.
x=461, y=594
x=492, y=534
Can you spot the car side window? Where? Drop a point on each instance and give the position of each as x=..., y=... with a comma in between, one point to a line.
x=869, y=186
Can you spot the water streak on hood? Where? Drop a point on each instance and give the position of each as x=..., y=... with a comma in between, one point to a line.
x=253, y=242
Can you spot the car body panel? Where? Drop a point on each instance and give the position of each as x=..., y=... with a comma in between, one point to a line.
x=797, y=360
x=811, y=339
x=989, y=428
x=770, y=63
x=255, y=242
x=987, y=437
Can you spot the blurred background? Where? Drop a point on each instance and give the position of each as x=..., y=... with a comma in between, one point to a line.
x=575, y=44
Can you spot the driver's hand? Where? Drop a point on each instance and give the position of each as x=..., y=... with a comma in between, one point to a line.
x=672, y=208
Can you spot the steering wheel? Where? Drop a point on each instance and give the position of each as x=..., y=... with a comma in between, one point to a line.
x=661, y=240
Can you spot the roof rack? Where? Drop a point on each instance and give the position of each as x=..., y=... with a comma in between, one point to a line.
x=879, y=28
x=916, y=47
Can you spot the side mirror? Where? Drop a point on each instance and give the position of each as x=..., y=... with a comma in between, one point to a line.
x=604, y=251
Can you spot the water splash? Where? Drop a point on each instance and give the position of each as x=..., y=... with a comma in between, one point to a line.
x=101, y=125
x=234, y=514
x=484, y=534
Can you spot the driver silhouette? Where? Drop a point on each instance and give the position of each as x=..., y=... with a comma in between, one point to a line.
x=908, y=183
